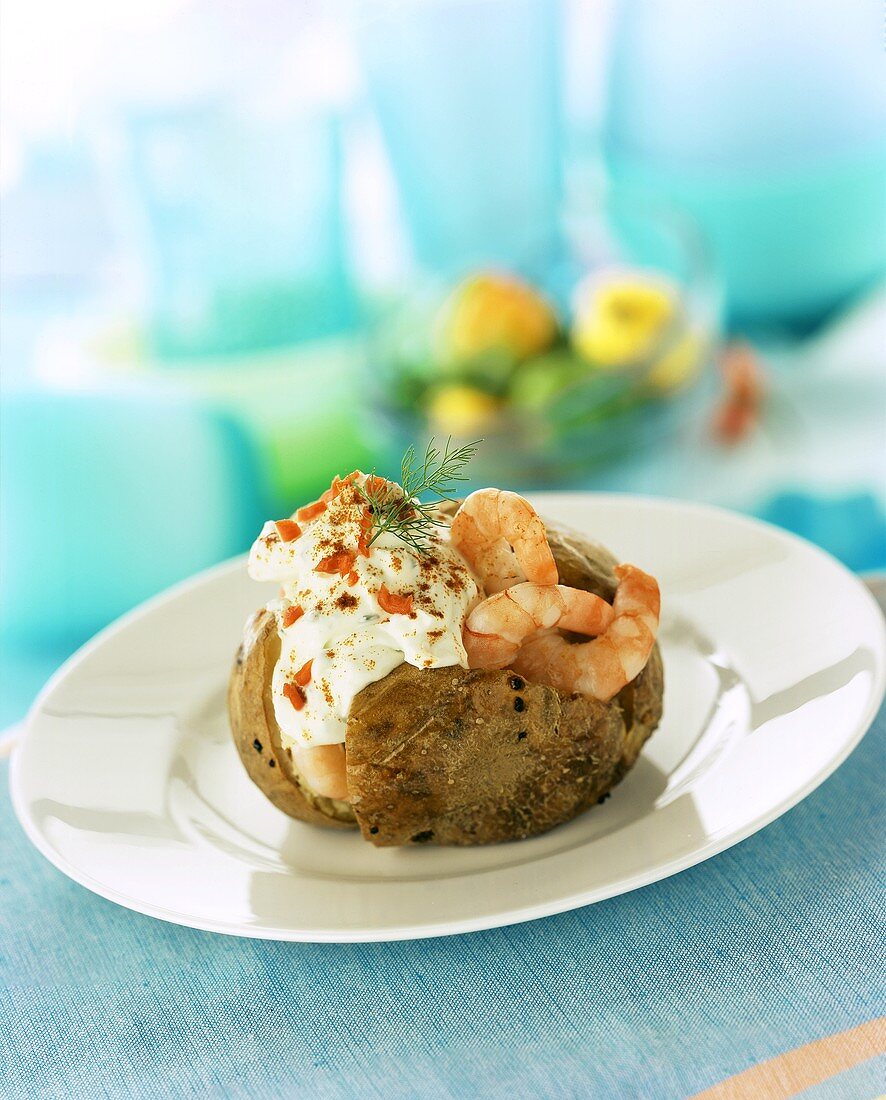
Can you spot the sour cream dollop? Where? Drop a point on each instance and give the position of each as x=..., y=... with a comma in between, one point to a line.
x=329, y=612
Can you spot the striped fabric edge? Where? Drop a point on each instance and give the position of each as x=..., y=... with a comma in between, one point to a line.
x=790, y=1073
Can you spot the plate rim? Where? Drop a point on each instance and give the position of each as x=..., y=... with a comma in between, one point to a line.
x=505, y=917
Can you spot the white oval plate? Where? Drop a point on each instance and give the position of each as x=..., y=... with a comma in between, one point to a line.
x=127, y=779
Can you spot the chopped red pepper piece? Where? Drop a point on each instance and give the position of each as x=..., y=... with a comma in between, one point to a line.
x=341, y=562
x=303, y=676
x=394, y=604
x=332, y=492
x=338, y=486
x=287, y=529
x=352, y=578
x=294, y=694
x=375, y=484
x=311, y=511
x=292, y=614
x=365, y=529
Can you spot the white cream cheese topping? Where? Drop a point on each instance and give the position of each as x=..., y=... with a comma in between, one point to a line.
x=332, y=617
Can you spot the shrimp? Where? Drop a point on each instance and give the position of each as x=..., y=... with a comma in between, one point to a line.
x=496, y=629
x=323, y=769
x=503, y=539
x=601, y=667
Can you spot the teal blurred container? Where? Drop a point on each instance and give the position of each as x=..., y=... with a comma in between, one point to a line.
x=468, y=97
x=222, y=156
x=766, y=120
x=109, y=498
x=119, y=478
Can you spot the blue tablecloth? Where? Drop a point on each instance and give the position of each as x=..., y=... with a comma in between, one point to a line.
x=658, y=993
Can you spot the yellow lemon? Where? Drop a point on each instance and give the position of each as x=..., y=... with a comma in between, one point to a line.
x=618, y=320
x=460, y=410
x=491, y=311
x=678, y=364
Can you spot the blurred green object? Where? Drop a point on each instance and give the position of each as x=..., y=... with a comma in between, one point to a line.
x=542, y=380
x=298, y=406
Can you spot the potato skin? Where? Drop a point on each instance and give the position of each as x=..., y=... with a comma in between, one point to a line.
x=449, y=756
x=257, y=735
x=455, y=756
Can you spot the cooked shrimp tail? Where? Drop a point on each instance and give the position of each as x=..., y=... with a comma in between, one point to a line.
x=497, y=628
x=323, y=769
x=503, y=539
x=604, y=665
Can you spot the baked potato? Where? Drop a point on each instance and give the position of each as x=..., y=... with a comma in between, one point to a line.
x=450, y=755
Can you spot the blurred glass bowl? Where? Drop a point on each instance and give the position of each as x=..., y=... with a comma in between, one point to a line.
x=596, y=349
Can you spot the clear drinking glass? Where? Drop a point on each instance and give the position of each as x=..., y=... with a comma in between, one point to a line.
x=766, y=120
x=468, y=97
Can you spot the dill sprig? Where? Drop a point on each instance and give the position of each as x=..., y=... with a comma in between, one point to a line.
x=399, y=509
